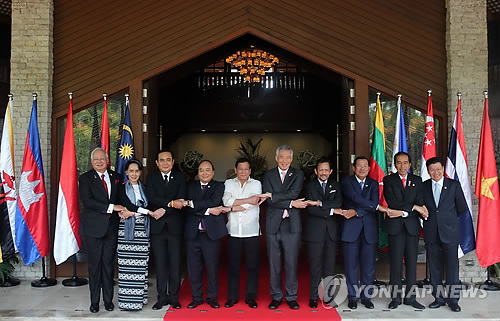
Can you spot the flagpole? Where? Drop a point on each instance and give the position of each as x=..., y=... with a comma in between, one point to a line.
x=74, y=280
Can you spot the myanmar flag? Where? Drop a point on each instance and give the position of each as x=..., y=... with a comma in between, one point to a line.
x=378, y=166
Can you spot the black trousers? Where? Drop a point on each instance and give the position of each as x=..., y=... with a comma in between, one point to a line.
x=101, y=263
x=235, y=247
x=321, y=263
x=167, y=256
x=203, y=250
x=403, y=245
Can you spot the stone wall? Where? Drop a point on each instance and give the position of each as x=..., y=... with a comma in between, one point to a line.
x=467, y=65
x=32, y=72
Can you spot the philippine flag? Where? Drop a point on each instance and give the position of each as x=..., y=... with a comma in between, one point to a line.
x=32, y=232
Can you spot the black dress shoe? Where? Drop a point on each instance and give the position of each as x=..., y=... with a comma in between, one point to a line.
x=175, y=305
x=368, y=304
x=352, y=304
x=251, y=303
x=394, y=304
x=213, y=304
x=158, y=305
x=94, y=308
x=193, y=304
x=230, y=302
x=414, y=304
x=436, y=304
x=293, y=305
x=454, y=307
x=109, y=306
x=313, y=304
x=274, y=304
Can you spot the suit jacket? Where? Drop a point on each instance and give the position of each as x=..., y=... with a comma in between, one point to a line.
x=320, y=223
x=94, y=217
x=444, y=218
x=282, y=195
x=400, y=198
x=365, y=203
x=212, y=197
x=160, y=196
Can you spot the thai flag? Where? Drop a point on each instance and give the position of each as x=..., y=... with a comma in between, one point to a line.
x=31, y=229
x=400, y=143
x=456, y=168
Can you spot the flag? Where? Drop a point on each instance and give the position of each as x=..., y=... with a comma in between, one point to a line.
x=429, y=146
x=456, y=168
x=378, y=165
x=8, y=197
x=488, y=221
x=126, y=150
x=400, y=143
x=31, y=230
x=105, y=127
x=66, y=238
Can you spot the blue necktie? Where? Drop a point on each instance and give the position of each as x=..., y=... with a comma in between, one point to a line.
x=323, y=186
x=361, y=184
x=437, y=193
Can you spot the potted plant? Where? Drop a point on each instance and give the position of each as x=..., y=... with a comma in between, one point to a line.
x=250, y=150
x=6, y=269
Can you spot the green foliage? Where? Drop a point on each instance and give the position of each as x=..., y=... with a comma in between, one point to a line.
x=250, y=150
x=7, y=267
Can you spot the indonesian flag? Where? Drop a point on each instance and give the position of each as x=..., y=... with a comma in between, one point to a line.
x=429, y=147
x=456, y=168
x=66, y=239
x=488, y=222
x=105, y=127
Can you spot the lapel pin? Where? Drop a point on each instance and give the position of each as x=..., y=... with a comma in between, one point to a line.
x=290, y=174
x=208, y=186
x=330, y=186
x=445, y=187
x=413, y=185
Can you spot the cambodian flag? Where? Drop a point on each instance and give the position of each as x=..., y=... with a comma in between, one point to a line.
x=31, y=229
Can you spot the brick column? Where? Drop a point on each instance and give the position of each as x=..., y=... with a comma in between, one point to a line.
x=32, y=72
x=467, y=66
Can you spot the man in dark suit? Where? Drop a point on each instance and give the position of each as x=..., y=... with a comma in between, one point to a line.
x=403, y=193
x=445, y=201
x=166, y=191
x=324, y=205
x=204, y=230
x=359, y=232
x=282, y=186
x=103, y=196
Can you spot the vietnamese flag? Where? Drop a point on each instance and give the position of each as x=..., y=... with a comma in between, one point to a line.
x=488, y=222
x=378, y=165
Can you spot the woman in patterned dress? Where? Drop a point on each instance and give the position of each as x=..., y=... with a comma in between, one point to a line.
x=133, y=245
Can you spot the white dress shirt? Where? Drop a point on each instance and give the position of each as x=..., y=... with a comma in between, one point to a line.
x=244, y=223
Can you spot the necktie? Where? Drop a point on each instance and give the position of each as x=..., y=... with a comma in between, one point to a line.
x=404, y=182
x=165, y=179
x=285, y=212
x=203, y=188
x=202, y=223
x=437, y=193
x=105, y=185
x=323, y=185
x=361, y=185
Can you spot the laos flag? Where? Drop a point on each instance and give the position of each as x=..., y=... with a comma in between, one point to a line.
x=31, y=229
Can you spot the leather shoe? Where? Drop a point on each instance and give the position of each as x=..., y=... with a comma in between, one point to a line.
x=313, y=304
x=251, y=303
x=454, y=307
x=94, y=308
x=436, y=304
x=415, y=304
x=293, y=305
x=394, y=304
x=368, y=304
x=213, y=304
x=193, y=304
x=158, y=305
x=230, y=302
x=274, y=304
x=109, y=306
x=175, y=305
x=352, y=304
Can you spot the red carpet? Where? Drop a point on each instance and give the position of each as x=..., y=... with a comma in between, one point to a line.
x=241, y=311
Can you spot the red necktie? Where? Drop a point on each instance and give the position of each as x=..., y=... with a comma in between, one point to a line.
x=105, y=185
x=404, y=182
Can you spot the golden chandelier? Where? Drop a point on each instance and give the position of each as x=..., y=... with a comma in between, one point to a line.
x=252, y=63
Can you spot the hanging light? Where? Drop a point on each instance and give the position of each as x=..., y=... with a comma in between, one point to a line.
x=252, y=63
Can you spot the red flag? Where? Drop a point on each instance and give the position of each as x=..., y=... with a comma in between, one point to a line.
x=429, y=147
x=488, y=222
x=67, y=238
x=105, y=127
